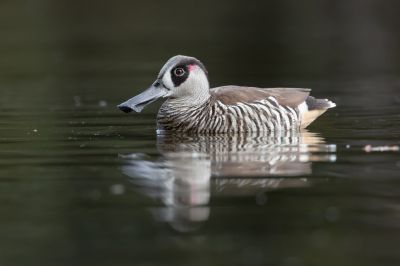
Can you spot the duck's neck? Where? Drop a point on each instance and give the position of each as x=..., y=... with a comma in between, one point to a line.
x=182, y=115
x=181, y=104
x=189, y=101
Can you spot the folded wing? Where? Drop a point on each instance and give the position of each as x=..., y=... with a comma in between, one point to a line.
x=299, y=98
x=230, y=95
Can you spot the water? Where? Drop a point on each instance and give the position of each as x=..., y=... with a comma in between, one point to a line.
x=85, y=184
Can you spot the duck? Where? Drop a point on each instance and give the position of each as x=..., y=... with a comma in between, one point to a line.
x=192, y=106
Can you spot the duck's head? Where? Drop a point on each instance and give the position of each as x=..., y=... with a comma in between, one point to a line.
x=182, y=78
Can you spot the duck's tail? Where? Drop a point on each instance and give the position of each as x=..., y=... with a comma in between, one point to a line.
x=312, y=108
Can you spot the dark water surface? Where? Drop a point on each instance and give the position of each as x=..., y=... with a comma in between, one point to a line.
x=81, y=183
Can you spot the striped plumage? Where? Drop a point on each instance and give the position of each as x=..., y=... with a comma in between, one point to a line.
x=191, y=106
x=213, y=116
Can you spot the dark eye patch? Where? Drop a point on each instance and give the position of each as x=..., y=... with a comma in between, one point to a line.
x=178, y=80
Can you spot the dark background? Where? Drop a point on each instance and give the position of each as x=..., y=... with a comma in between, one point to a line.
x=65, y=65
x=114, y=49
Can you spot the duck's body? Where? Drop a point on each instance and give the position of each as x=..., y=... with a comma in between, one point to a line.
x=243, y=109
x=193, y=107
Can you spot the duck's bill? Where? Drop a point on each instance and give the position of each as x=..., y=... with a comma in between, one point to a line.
x=138, y=102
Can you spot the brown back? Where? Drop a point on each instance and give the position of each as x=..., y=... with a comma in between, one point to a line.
x=285, y=96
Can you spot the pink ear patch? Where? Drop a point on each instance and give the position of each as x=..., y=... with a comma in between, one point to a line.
x=191, y=67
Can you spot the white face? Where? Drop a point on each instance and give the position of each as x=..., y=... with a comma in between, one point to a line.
x=185, y=81
x=182, y=79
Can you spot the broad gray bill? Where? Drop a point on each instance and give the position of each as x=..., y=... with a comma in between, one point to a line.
x=138, y=102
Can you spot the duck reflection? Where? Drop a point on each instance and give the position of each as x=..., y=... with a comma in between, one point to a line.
x=191, y=168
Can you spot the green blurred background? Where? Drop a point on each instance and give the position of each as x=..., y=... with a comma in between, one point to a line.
x=52, y=49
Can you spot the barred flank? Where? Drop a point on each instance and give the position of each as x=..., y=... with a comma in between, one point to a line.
x=215, y=117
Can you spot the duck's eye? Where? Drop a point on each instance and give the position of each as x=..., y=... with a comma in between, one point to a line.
x=179, y=72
